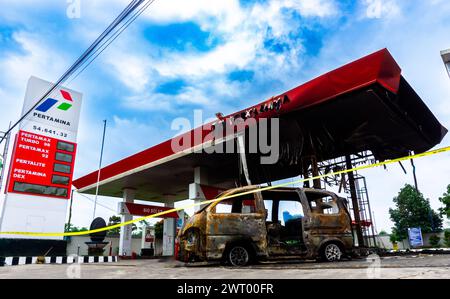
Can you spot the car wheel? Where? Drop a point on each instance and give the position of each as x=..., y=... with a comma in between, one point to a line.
x=238, y=256
x=331, y=252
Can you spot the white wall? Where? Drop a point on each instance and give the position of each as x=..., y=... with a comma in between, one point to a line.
x=384, y=241
x=136, y=244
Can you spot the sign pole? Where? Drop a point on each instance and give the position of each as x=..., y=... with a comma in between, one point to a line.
x=99, y=168
x=70, y=211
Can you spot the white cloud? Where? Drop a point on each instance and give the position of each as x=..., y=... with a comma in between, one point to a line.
x=204, y=12
x=238, y=52
x=35, y=58
x=242, y=29
x=208, y=93
x=132, y=70
x=314, y=8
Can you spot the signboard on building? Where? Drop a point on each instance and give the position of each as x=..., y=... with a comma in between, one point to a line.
x=149, y=235
x=41, y=166
x=145, y=210
x=57, y=116
x=415, y=237
x=42, y=162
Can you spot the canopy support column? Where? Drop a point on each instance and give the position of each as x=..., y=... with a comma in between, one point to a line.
x=169, y=231
x=200, y=178
x=127, y=230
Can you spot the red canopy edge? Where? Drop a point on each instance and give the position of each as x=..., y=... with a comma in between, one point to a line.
x=379, y=67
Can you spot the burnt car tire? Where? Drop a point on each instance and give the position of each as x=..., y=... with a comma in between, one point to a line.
x=239, y=255
x=331, y=252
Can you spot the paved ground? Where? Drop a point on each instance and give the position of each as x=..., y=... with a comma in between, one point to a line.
x=421, y=266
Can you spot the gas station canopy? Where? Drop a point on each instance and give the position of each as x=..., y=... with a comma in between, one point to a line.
x=366, y=105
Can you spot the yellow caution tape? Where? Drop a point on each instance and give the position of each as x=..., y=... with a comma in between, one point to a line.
x=426, y=154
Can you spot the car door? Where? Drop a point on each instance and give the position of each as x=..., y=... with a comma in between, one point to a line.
x=242, y=217
x=285, y=223
x=326, y=215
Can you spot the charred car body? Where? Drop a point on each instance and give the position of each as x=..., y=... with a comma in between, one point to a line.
x=280, y=223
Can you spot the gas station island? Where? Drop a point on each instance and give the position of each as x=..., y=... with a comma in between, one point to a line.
x=360, y=113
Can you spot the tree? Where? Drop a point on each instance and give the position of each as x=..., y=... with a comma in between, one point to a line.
x=413, y=210
x=113, y=220
x=383, y=233
x=447, y=238
x=70, y=228
x=434, y=241
x=139, y=230
x=159, y=228
x=445, y=199
x=395, y=238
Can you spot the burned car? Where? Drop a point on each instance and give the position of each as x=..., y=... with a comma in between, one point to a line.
x=251, y=225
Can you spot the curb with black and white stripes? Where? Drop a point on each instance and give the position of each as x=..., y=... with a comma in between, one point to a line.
x=28, y=260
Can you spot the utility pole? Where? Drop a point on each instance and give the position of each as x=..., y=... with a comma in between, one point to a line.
x=99, y=168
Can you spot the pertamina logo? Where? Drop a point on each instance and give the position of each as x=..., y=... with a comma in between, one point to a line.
x=50, y=102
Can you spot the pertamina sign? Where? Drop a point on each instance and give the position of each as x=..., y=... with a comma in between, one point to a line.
x=42, y=163
x=57, y=116
x=45, y=148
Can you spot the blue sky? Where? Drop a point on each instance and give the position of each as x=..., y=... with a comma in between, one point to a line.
x=218, y=56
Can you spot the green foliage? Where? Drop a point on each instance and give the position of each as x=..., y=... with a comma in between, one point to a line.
x=138, y=231
x=70, y=228
x=447, y=238
x=383, y=233
x=445, y=199
x=434, y=241
x=413, y=210
x=394, y=238
x=159, y=227
x=113, y=220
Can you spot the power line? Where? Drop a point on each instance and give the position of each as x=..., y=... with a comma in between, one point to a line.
x=99, y=43
x=91, y=200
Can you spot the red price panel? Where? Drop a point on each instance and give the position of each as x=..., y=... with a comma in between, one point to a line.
x=41, y=166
